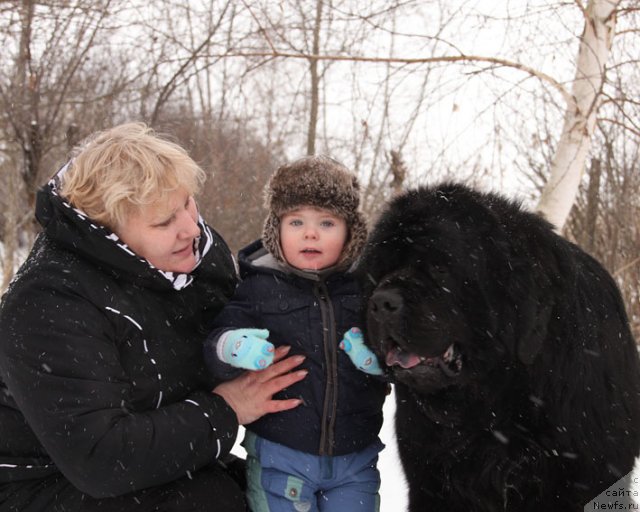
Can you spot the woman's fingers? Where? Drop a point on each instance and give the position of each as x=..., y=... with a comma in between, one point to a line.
x=279, y=368
x=278, y=383
x=282, y=405
x=251, y=394
x=280, y=353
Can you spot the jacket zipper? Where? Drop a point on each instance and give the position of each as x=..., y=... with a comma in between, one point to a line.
x=331, y=357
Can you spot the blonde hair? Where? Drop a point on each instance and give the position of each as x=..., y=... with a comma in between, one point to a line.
x=123, y=169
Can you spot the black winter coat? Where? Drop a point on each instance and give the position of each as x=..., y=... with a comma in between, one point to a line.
x=342, y=406
x=101, y=370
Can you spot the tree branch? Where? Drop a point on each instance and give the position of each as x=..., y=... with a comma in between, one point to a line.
x=411, y=61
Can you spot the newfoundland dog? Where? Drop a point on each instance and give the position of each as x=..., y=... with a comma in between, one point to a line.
x=516, y=374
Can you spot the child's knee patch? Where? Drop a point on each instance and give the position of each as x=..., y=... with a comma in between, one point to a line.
x=290, y=488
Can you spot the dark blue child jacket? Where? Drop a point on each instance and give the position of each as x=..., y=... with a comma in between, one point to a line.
x=342, y=406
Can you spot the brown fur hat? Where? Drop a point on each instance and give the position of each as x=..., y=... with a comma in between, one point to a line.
x=317, y=181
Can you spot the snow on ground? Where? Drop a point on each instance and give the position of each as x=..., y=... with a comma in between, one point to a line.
x=393, y=490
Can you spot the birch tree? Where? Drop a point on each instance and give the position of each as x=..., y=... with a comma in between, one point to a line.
x=568, y=164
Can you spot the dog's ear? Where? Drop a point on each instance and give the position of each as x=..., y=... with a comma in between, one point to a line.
x=528, y=308
x=533, y=315
x=531, y=287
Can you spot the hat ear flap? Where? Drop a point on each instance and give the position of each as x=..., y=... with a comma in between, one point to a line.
x=271, y=236
x=358, y=232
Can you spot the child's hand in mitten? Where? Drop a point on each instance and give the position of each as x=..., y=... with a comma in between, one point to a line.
x=246, y=348
x=361, y=355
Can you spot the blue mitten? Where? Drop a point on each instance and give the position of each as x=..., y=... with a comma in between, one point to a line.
x=246, y=348
x=361, y=355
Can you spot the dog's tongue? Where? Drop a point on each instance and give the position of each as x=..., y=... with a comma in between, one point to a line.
x=402, y=358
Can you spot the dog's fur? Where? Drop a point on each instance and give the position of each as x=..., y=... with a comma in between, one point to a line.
x=517, y=377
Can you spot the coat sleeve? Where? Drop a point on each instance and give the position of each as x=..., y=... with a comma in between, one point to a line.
x=240, y=312
x=59, y=360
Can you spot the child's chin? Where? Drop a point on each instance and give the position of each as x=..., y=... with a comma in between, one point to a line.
x=311, y=264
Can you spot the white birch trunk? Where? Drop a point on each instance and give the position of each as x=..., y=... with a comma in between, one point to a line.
x=569, y=160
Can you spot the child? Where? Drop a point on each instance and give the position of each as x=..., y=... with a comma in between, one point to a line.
x=297, y=290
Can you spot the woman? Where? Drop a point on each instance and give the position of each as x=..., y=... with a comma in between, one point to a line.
x=105, y=403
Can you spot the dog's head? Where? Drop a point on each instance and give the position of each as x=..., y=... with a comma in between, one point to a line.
x=451, y=293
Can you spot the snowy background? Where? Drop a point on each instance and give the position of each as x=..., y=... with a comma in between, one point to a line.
x=393, y=490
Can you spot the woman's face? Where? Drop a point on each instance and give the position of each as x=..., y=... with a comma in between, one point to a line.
x=164, y=234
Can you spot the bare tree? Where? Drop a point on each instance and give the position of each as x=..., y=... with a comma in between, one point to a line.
x=315, y=79
x=180, y=37
x=47, y=46
x=472, y=91
x=54, y=42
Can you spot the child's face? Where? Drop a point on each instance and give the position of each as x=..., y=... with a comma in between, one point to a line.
x=312, y=238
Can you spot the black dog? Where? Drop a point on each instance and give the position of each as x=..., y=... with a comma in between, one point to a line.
x=517, y=377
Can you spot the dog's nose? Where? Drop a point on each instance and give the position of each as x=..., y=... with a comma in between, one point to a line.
x=386, y=302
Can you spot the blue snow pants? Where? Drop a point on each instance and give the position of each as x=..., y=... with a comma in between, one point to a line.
x=280, y=479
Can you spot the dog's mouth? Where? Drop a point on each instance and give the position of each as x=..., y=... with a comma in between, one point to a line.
x=450, y=362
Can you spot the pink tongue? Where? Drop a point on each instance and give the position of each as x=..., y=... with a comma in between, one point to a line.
x=402, y=358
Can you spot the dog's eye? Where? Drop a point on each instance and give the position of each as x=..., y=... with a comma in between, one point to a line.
x=438, y=273
x=441, y=278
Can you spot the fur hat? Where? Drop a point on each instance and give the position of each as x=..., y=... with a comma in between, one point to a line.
x=317, y=181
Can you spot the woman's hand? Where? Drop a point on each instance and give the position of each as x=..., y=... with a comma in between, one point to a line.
x=250, y=394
